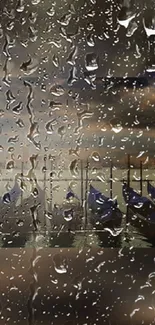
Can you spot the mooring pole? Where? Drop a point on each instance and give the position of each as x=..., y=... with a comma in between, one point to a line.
x=22, y=175
x=45, y=168
x=86, y=195
x=111, y=179
x=128, y=185
x=82, y=184
x=141, y=178
x=51, y=187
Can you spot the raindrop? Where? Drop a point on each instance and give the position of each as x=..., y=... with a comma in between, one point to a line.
x=29, y=66
x=35, y=2
x=49, y=127
x=33, y=17
x=115, y=232
x=51, y=12
x=131, y=28
x=61, y=269
x=138, y=205
x=149, y=31
x=10, y=98
x=125, y=17
x=20, y=6
x=11, y=149
x=68, y=215
x=6, y=198
x=18, y=108
x=13, y=139
x=35, y=192
x=65, y=19
x=57, y=90
x=116, y=125
x=90, y=40
x=33, y=34
x=55, y=61
x=10, y=165
x=95, y=156
x=59, y=266
x=74, y=167
x=140, y=298
x=54, y=105
x=20, y=123
x=91, y=62
x=20, y=223
x=72, y=56
x=1, y=31
x=72, y=76
x=140, y=154
x=134, y=312
x=62, y=131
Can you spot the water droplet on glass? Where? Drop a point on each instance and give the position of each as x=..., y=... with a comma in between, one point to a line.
x=33, y=34
x=68, y=214
x=20, y=6
x=74, y=167
x=62, y=131
x=33, y=17
x=59, y=264
x=10, y=165
x=20, y=223
x=116, y=125
x=95, y=156
x=72, y=76
x=29, y=66
x=65, y=19
x=35, y=192
x=91, y=62
x=150, y=30
x=20, y=123
x=49, y=127
x=90, y=40
x=115, y=232
x=125, y=17
x=72, y=56
x=35, y=2
x=51, y=12
x=131, y=28
x=13, y=139
x=18, y=108
x=6, y=198
x=55, y=61
x=57, y=90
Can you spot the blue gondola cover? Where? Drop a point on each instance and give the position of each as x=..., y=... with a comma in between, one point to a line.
x=70, y=194
x=12, y=195
x=132, y=197
x=151, y=190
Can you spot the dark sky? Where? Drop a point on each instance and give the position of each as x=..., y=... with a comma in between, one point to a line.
x=38, y=30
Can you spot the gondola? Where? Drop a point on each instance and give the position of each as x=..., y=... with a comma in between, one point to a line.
x=12, y=195
x=66, y=219
x=151, y=191
x=104, y=211
x=68, y=216
x=19, y=221
x=141, y=212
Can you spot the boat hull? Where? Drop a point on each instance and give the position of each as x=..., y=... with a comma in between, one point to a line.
x=140, y=222
x=105, y=236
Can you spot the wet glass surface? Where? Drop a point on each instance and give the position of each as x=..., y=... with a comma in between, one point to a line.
x=77, y=178
x=77, y=123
